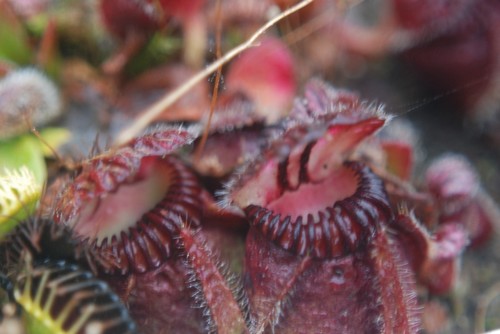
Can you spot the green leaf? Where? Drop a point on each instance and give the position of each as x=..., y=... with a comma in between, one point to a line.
x=14, y=44
x=54, y=137
x=25, y=150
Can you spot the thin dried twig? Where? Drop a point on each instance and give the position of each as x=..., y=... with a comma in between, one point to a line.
x=335, y=10
x=156, y=109
x=218, y=53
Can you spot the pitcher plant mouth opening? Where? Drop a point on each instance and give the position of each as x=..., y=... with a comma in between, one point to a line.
x=338, y=224
x=134, y=228
x=305, y=195
x=106, y=216
x=309, y=198
x=127, y=205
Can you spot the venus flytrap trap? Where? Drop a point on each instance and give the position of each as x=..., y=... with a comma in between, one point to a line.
x=63, y=299
x=19, y=193
x=52, y=285
x=23, y=173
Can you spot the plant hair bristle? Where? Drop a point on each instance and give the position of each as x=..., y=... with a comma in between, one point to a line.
x=201, y=260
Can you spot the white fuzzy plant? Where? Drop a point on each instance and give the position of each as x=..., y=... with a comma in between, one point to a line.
x=27, y=98
x=19, y=193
